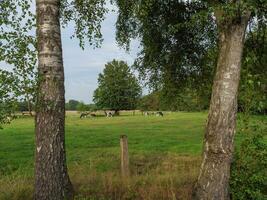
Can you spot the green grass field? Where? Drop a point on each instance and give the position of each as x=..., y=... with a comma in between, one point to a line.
x=164, y=151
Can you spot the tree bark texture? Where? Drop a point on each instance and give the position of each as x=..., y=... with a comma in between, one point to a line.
x=213, y=180
x=51, y=177
x=29, y=105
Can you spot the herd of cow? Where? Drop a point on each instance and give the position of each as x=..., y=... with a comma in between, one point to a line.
x=113, y=113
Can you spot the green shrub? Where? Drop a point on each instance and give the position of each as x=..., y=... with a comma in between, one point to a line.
x=249, y=169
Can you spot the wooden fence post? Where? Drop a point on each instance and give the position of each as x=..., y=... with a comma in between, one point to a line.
x=125, y=172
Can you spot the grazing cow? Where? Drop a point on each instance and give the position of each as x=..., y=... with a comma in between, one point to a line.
x=159, y=114
x=146, y=113
x=84, y=114
x=87, y=114
x=92, y=114
x=110, y=113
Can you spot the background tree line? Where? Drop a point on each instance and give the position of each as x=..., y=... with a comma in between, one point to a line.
x=79, y=106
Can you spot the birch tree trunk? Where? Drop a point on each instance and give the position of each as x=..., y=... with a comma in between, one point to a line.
x=51, y=176
x=213, y=180
x=29, y=104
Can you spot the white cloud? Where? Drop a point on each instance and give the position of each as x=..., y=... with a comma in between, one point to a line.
x=83, y=66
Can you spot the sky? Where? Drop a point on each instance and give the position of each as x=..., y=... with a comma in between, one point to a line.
x=83, y=66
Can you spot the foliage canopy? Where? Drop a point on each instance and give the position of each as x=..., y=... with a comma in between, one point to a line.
x=118, y=89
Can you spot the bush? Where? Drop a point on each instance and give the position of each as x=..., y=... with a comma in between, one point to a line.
x=249, y=170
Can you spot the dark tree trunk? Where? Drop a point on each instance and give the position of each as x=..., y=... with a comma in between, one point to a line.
x=29, y=105
x=51, y=177
x=213, y=180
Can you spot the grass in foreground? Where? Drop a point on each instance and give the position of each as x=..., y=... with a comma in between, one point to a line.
x=164, y=156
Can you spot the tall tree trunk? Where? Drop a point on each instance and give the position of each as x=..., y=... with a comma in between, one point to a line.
x=51, y=177
x=213, y=180
x=29, y=104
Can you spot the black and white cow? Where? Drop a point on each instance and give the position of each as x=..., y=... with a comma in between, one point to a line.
x=159, y=114
x=84, y=114
x=110, y=113
x=146, y=113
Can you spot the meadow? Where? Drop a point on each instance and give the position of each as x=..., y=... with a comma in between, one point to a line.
x=165, y=154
